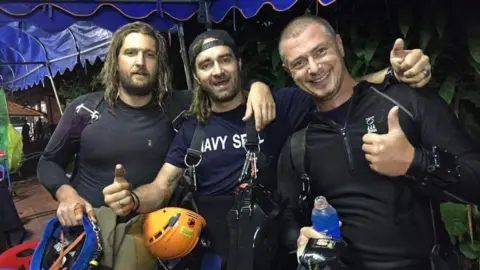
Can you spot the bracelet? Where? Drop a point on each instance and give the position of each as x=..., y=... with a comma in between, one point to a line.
x=136, y=201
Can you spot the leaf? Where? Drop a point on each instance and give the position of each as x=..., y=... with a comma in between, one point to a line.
x=370, y=49
x=455, y=218
x=476, y=212
x=441, y=20
x=472, y=63
x=475, y=246
x=354, y=34
x=425, y=33
x=471, y=251
x=246, y=44
x=447, y=89
x=472, y=28
x=405, y=19
x=275, y=59
x=359, y=51
x=356, y=70
x=458, y=228
x=434, y=56
x=470, y=121
x=281, y=79
x=474, y=47
x=472, y=96
x=377, y=63
x=261, y=46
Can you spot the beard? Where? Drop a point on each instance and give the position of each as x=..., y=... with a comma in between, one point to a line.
x=136, y=87
x=332, y=92
x=225, y=93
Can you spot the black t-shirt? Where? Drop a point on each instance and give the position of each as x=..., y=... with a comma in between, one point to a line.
x=136, y=137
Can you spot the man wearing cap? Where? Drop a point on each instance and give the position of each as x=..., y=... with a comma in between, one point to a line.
x=218, y=102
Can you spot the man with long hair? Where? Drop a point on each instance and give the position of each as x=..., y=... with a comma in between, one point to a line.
x=218, y=105
x=130, y=124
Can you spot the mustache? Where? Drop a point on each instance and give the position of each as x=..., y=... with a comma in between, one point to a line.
x=140, y=72
x=224, y=78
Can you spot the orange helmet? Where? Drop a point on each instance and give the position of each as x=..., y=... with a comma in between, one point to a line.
x=172, y=232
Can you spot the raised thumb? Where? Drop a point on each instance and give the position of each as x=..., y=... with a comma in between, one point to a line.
x=393, y=122
x=398, y=46
x=119, y=174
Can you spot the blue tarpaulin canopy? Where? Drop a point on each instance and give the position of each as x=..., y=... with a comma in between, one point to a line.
x=25, y=49
x=38, y=36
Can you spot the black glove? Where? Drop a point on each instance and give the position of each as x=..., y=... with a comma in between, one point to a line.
x=322, y=254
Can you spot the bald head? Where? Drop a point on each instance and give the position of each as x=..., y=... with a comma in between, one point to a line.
x=298, y=25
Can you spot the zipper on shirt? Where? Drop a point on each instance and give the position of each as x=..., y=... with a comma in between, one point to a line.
x=348, y=148
x=346, y=141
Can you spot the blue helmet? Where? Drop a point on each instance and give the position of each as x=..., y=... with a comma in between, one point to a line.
x=80, y=246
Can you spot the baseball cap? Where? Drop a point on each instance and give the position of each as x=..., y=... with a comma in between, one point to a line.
x=222, y=38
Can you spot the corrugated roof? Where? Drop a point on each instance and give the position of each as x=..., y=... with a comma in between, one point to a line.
x=15, y=109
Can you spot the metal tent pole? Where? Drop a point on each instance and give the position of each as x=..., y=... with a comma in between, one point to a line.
x=183, y=52
x=50, y=76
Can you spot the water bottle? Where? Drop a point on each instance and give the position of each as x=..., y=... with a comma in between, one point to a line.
x=325, y=218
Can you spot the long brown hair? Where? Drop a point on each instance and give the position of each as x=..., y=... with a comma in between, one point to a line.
x=201, y=105
x=109, y=76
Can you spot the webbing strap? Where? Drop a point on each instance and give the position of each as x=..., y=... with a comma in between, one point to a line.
x=241, y=251
x=193, y=156
x=57, y=263
x=241, y=236
x=297, y=146
x=245, y=241
x=252, y=142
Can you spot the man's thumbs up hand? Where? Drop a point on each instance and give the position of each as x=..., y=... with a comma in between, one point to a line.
x=117, y=195
x=389, y=154
x=398, y=53
x=119, y=174
x=393, y=121
x=410, y=66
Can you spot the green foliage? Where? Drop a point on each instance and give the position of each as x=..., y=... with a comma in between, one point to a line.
x=78, y=82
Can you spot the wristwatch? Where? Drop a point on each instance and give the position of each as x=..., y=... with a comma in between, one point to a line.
x=442, y=165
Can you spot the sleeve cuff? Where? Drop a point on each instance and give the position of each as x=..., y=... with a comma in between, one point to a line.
x=175, y=162
x=53, y=190
x=248, y=84
x=435, y=167
x=418, y=168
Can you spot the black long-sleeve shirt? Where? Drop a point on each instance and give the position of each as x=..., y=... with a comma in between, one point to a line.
x=385, y=220
x=136, y=137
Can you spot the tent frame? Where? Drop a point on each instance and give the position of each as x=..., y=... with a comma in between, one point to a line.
x=204, y=6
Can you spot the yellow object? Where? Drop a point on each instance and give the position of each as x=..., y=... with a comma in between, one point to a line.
x=14, y=148
x=172, y=232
